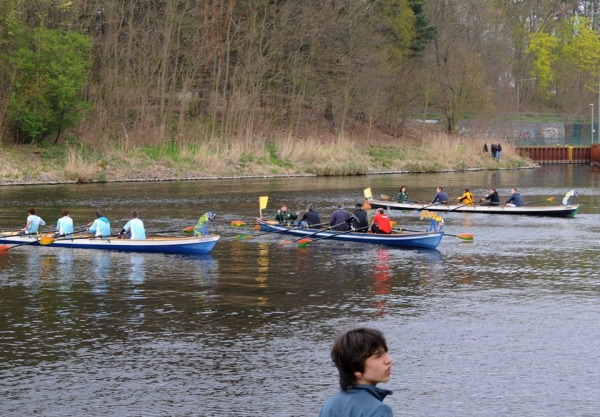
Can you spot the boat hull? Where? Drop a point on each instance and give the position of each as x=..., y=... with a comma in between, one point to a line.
x=425, y=240
x=545, y=211
x=194, y=245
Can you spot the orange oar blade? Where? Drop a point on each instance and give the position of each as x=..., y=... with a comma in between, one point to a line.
x=465, y=236
x=302, y=241
x=237, y=223
x=286, y=242
x=189, y=230
x=4, y=248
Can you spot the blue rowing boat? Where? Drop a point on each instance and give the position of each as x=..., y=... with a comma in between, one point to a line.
x=153, y=244
x=426, y=240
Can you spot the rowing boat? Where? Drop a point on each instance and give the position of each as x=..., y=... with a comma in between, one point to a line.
x=547, y=211
x=427, y=240
x=152, y=244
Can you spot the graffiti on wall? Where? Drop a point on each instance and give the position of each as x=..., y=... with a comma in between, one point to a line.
x=526, y=134
x=551, y=135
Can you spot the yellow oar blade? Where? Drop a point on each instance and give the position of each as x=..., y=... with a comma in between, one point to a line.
x=263, y=200
x=238, y=223
x=551, y=199
x=47, y=240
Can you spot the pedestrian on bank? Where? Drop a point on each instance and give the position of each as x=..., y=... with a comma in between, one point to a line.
x=362, y=359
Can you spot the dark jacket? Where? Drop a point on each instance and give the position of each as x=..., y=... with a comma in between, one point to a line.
x=285, y=217
x=361, y=222
x=311, y=217
x=337, y=217
x=402, y=197
x=440, y=198
x=516, y=199
x=493, y=198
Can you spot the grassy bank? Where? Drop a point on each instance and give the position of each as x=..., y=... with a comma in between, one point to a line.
x=284, y=156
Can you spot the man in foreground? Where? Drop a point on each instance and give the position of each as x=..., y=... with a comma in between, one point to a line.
x=362, y=361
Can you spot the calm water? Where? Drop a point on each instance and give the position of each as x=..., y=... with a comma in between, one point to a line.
x=504, y=326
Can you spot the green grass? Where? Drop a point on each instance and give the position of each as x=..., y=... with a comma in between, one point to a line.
x=386, y=155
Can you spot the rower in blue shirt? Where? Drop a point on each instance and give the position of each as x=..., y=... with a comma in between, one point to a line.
x=440, y=198
x=134, y=228
x=101, y=226
x=515, y=199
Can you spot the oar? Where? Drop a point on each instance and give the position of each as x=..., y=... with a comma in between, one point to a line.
x=434, y=204
x=457, y=207
x=48, y=240
x=267, y=232
x=10, y=232
x=463, y=236
x=309, y=241
x=550, y=200
x=5, y=248
x=167, y=231
x=288, y=242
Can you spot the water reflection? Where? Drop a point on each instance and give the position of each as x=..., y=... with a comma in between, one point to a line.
x=382, y=284
x=146, y=321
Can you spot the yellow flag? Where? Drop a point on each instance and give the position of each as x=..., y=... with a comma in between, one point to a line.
x=263, y=199
x=368, y=193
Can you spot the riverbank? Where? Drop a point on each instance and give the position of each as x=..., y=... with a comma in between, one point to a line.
x=285, y=157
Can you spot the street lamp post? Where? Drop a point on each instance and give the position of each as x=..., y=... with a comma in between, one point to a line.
x=519, y=104
x=592, y=125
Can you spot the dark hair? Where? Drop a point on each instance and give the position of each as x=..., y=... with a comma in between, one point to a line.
x=401, y=188
x=98, y=213
x=309, y=207
x=351, y=350
x=31, y=210
x=134, y=213
x=65, y=212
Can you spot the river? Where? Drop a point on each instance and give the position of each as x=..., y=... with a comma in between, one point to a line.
x=505, y=325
